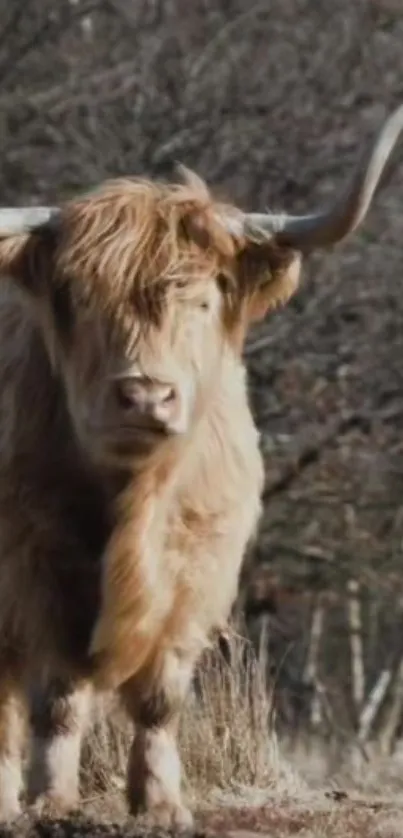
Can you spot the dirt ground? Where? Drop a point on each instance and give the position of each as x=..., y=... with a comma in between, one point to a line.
x=331, y=816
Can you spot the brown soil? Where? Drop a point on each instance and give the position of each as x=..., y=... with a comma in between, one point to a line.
x=315, y=818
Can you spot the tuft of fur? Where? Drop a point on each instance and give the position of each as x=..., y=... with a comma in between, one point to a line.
x=145, y=234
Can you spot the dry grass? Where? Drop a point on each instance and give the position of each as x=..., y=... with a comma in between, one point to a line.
x=228, y=742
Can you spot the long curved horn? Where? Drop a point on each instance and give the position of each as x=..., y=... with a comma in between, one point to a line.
x=14, y=220
x=321, y=229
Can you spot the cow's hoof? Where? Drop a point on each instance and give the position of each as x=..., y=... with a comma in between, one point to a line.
x=53, y=806
x=172, y=816
x=10, y=811
x=167, y=816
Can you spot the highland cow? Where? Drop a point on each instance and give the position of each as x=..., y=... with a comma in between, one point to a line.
x=130, y=469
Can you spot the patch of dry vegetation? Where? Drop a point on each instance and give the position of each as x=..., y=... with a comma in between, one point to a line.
x=228, y=740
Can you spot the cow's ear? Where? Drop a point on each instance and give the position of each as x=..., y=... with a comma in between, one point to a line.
x=27, y=258
x=27, y=242
x=269, y=276
x=17, y=255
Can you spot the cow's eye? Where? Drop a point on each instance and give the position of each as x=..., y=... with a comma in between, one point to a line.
x=193, y=296
x=181, y=284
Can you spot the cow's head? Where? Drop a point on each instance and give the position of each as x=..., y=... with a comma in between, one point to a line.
x=142, y=288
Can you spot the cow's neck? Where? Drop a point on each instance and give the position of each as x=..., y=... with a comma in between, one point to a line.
x=133, y=611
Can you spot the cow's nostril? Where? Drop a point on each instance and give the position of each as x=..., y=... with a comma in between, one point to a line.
x=125, y=394
x=144, y=400
x=145, y=395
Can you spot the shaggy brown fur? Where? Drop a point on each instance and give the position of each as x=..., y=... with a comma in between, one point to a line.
x=120, y=553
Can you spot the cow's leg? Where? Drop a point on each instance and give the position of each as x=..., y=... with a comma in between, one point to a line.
x=11, y=738
x=154, y=699
x=59, y=713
